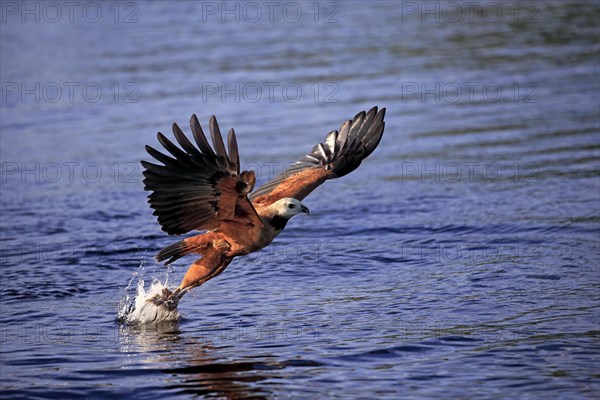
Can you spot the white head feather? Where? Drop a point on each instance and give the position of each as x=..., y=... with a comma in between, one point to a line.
x=288, y=207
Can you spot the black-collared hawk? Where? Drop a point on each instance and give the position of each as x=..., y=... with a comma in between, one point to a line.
x=201, y=188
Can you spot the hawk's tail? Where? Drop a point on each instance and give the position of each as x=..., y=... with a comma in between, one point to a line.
x=175, y=251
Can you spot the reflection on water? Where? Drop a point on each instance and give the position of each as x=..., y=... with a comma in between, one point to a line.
x=197, y=368
x=460, y=260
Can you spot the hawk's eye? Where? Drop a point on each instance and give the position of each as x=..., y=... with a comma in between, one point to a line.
x=291, y=206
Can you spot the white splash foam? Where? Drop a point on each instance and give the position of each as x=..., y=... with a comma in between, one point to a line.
x=143, y=311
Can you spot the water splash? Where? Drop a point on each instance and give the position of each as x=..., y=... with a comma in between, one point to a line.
x=138, y=310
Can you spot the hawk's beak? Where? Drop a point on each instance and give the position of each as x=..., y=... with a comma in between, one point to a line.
x=305, y=209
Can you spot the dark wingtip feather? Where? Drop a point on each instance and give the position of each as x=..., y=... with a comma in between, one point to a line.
x=342, y=137
x=357, y=139
x=374, y=132
x=217, y=139
x=148, y=165
x=184, y=141
x=200, y=138
x=170, y=147
x=234, y=155
x=373, y=142
x=163, y=158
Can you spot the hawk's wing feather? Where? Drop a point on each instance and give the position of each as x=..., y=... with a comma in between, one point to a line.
x=341, y=153
x=198, y=188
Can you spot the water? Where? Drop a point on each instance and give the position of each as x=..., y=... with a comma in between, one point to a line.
x=461, y=260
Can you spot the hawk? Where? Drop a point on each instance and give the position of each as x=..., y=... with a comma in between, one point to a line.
x=199, y=187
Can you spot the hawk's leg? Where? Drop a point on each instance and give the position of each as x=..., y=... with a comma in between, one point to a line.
x=213, y=262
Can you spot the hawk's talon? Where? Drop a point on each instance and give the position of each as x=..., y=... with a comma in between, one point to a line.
x=166, y=299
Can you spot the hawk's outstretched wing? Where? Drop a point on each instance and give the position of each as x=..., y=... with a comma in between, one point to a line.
x=342, y=153
x=198, y=187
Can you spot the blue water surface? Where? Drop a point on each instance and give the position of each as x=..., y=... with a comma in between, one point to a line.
x=462, y=259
